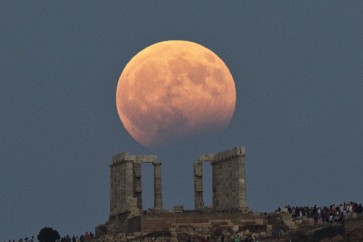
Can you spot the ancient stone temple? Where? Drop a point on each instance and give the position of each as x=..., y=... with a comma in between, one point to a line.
x=128, y=219
x=226, y=220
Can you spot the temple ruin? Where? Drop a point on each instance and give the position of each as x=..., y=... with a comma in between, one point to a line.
x=126, y=186
x=128, y=217
x=228, y=180
x=228, y=217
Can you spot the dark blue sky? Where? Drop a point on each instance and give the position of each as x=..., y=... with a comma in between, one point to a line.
x=298, y=69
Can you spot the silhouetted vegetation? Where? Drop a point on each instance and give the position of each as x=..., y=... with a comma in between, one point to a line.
x=48, y=234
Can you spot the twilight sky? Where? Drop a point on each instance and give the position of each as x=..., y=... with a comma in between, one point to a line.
x=297, y=66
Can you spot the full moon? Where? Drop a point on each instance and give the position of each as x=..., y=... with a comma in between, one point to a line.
x=173, y=90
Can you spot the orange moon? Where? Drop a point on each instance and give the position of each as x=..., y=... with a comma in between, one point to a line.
x=173, y=90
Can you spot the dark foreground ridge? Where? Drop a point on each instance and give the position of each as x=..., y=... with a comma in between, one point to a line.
x=208, y=225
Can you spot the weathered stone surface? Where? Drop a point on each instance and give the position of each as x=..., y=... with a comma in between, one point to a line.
x=178, y=208
x=228, y=180
x=126, y=184
x=158, y=203
x=198, y=185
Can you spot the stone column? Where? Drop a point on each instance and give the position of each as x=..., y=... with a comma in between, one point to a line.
x=120, y=187
x=158, y=202
x=215, y=184
x=228, y=177
x=112, y=190
x=129, y=178
x=138, y=185
x=242, y=181
x=198, y=185
x=129, y=185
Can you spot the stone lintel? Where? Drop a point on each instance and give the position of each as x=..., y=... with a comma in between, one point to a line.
x=146, y=158
x=206, y=157
x=123, y=156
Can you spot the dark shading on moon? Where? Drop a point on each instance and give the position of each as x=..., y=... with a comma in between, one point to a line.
x=172, y=90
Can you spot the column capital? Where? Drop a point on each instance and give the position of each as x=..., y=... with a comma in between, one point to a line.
x=156, y=163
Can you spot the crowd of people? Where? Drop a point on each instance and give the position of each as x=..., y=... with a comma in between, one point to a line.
x=327, y=214
x=31, y=239
x=82, y=238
